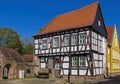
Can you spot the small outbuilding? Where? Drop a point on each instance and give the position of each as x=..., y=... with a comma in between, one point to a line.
x=29, y=66
x=11, y=64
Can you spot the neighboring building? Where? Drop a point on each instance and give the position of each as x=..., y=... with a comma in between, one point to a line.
x=11, y=63
x=112, y=50
x=29, y=68
x=73, y=44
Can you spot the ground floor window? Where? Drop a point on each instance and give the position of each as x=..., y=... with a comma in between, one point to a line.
x=81, y=61
x=42, y=59
x=74, y=61
x=28, y=70
x=78, y=61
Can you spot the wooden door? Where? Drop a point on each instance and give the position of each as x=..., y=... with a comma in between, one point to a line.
x=57, y=67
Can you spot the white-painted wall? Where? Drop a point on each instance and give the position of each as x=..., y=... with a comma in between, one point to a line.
x=64, y=49
x=104, y=56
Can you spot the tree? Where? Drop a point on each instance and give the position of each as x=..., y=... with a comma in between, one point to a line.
x=10, y=39
x=28, y=45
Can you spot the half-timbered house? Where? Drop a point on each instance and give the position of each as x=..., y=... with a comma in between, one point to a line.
x=73, y=44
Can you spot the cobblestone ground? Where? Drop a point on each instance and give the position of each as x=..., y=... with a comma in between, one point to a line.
x=114, y=80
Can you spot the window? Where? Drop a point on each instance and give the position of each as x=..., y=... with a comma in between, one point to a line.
x=42, y=59
x=81, y=61
x=78, y=61
x=28, y=70
x=74, y=40
x=56, y=42
x=99, y=22
x=74, y=61
x=82, y=39
x=66, y=40
x=44, y=44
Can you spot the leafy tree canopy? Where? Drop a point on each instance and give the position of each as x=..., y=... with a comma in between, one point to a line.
x=10, y=39
x=28, y=45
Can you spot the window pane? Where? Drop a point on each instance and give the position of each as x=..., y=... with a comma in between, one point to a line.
x=44, y=44
x=81, y=61
x=56, y=42
x=66, y=41
x=74, y=61
x=82, y=39
x=42, y=59
x=74, y=40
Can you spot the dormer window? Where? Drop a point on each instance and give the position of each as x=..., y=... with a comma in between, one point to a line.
x=99, y=22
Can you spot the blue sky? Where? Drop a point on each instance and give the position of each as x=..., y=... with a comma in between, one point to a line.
x=28, y=16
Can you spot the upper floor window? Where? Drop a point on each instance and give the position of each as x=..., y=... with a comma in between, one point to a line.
x=56, y=42
x=99, y=22
x=44, y=43
x=74, y=40
x=82, y=39
x=66, y=40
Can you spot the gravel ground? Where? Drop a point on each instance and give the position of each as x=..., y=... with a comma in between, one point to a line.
x=113, y=80
x=32, y=81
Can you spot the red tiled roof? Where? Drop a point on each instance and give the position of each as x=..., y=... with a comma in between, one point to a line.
x=109, y=31
x=11, y=54
x=28, y=58
x=79, y=18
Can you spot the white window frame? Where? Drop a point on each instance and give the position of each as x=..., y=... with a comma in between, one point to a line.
x=74, y=39
x=82, y=62
x=44, y=45
x=74, y=61
x=58, y=43
x=66, y=40
x=82, y=40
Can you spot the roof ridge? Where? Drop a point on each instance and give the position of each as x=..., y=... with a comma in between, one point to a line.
x=80, y=8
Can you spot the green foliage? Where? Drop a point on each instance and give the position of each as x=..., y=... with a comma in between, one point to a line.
x=28, y=49
x=28, y=45
x=10, y=39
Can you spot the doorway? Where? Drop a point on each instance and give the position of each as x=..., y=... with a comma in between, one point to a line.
x=6, y=71
x=57, y=67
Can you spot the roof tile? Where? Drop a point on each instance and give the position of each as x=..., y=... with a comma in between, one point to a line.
x=109, y=31
x=11, y=54
x=28, y=58
x=78, y=18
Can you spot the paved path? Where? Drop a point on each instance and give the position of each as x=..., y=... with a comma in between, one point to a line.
x=114, y=80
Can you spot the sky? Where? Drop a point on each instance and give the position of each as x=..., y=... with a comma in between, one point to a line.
x=28, y=16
